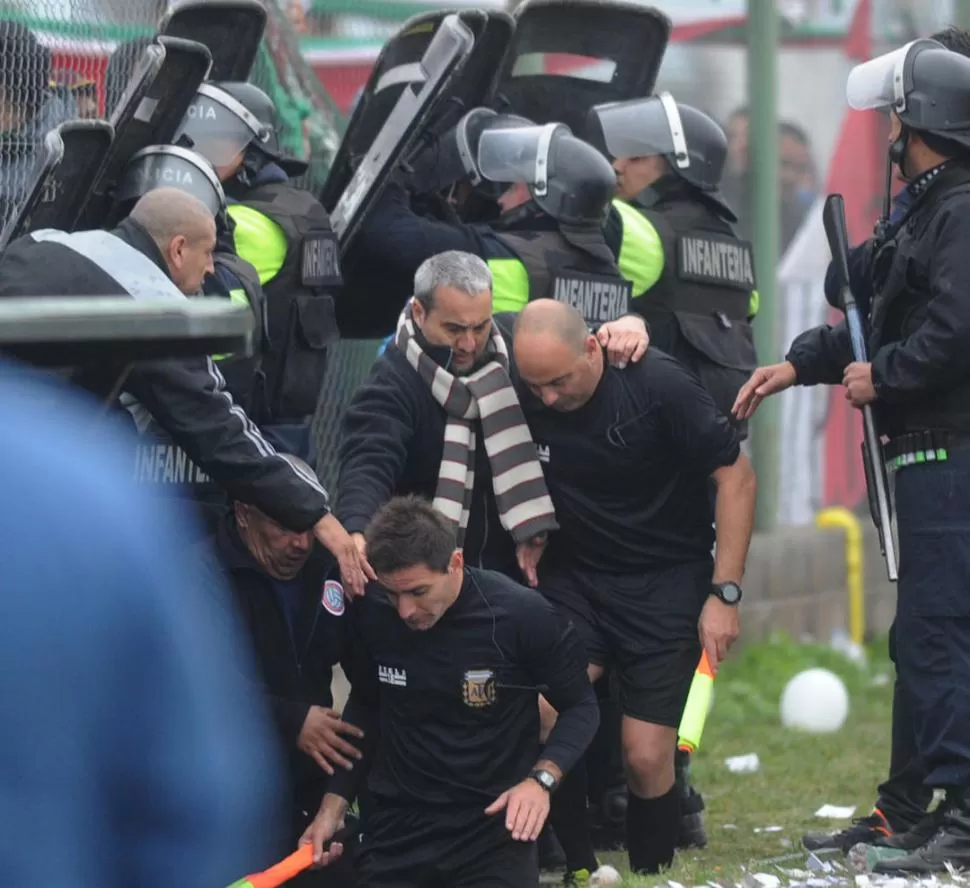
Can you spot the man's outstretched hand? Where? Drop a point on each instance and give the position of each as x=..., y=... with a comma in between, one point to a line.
x=764, y=382
x=355, y=570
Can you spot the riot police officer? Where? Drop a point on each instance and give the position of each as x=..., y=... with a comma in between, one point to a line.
x=284, y=233
x=669, y=158
x=918, y=382
x=554, y=191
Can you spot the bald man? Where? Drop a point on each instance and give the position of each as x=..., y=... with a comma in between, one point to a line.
x=184, y=231
x=629, y=455
x=161, y=252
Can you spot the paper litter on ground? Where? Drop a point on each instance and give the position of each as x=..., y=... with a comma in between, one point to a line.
x=836, y=812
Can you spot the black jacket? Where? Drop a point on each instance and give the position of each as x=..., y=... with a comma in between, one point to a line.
x=392, y=441
x=295, y=670
x=186, y=397
x=919, y=337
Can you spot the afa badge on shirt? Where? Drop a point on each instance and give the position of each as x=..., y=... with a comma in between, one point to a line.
x=332, y=598
x=478, y=688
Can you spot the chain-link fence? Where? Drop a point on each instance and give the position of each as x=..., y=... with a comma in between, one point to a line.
x=63, y=59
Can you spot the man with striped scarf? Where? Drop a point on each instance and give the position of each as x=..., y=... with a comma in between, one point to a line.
x=438, y=417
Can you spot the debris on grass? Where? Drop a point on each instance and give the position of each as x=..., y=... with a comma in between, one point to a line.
x=836, y=812
x=743, y=764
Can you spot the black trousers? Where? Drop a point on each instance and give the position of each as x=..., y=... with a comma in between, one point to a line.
x=932, y=637
x=903, y=796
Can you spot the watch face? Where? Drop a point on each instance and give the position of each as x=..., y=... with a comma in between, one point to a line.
x=730, y=592
x=545, y=779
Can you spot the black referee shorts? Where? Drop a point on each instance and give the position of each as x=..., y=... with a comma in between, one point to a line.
x=643, y=628
x=446, y=849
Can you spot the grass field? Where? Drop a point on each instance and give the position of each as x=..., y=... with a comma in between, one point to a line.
x=799, y=772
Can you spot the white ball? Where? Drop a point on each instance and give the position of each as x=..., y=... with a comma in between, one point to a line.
x=605, y=875
x=815, y=701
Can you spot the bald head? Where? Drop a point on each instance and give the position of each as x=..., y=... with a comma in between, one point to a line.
x=184, y=231
x=556, y=355
x=167, y=212
x=554, y=319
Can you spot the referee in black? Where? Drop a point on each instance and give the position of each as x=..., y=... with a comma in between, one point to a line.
x=629, y=456
x=448, y=665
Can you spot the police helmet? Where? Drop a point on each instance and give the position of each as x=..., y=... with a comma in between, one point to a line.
x=923, y=82
x=169, y=166
x=226, y=119
x=567, y=177
x=692, y=143
x=453, y=157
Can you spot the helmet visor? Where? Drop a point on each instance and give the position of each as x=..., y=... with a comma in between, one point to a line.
x=878, y=83
x=518, y=154
x=638, y=128
x=218, y=127
x=166, y=166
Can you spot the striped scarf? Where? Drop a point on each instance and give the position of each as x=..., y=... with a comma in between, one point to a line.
x=524, y=506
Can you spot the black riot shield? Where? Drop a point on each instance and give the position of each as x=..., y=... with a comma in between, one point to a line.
x=449, y=48
x=48, y=155
x=471, y=86
x=231, y=29
x=604, y=50
x=149, y=113
x=61, y=180
x=399, y=66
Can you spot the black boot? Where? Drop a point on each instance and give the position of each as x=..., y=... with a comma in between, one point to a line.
x=692, y=834
x=950, y=844
x=864, y=831
x=917, y=835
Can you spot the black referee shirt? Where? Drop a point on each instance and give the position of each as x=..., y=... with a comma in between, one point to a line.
x=629, y=472
x=455, y=707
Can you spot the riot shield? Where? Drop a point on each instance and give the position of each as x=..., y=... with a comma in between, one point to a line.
x=568, y=55
x=399, y=66
x=230, y=29
x=149, y=113
x=472, y=85
x=447, y=51
x=49, y=154
x=61, y=180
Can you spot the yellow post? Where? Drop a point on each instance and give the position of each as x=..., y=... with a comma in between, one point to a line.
x=841, y=517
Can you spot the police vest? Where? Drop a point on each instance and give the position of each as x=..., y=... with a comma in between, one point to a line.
x=580, y=271
x=698, y=309
x=901, y=293
x=300, y=316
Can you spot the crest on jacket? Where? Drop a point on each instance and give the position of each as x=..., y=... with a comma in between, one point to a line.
x=332, y=598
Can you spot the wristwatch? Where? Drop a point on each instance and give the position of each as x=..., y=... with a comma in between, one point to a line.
x=729, y=593
x=545, y=779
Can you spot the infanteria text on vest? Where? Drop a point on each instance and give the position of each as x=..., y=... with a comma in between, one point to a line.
x=711, y=259
x=598, y=298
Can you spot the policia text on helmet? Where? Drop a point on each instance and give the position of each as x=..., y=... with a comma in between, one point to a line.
x=924, y=87
x=284, y=235
x=669, y=158
x=234, y=125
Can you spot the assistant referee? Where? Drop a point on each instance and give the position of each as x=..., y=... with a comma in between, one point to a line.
x=629, y=456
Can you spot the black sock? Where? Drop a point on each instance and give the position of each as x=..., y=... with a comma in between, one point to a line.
x=652, y=827
x=569, y=817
